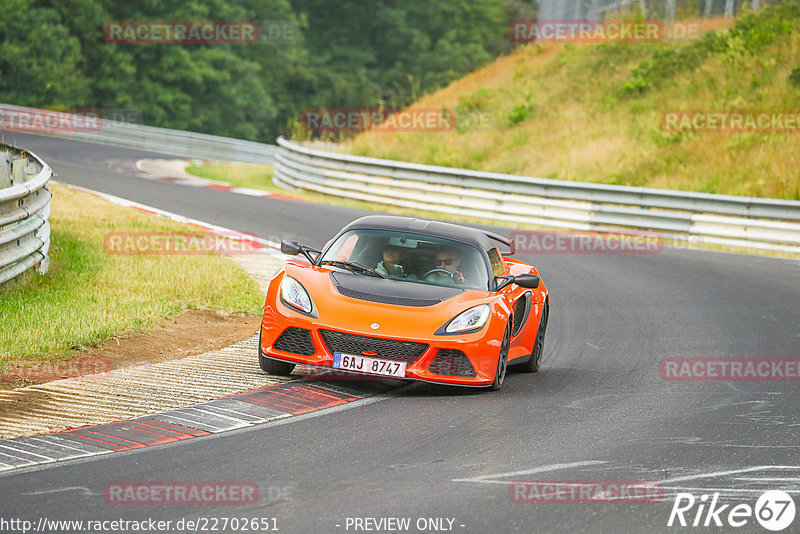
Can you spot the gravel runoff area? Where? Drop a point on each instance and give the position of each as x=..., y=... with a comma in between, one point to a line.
x=140, y=390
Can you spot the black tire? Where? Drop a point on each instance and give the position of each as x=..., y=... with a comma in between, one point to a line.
x=502, y=361
x=532, y=365
x=273, y=367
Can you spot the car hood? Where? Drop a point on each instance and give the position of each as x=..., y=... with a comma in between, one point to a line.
x=396, y=292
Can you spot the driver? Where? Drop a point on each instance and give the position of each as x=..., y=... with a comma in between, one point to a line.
x=446, y=265
x=391, y=265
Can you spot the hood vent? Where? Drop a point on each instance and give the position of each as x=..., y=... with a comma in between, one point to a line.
x=392, y=292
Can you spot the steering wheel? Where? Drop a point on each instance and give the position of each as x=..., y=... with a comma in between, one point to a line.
x=434, y=271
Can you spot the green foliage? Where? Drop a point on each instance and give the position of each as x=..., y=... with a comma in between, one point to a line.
x=750, y=34
x=763, y=28
x=520, y=138
x=477, y=101
x=666, y=62
x=472, y=110
x=568, y=54
x=39, y=58
x=639, y=84
x=349, y=54
x=296, y=131
x=521, y=111
x=794, y=77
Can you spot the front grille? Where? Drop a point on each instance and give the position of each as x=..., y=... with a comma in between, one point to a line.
x=295, y=340
x=388, y=349
x=451, y=362
x=396, y=301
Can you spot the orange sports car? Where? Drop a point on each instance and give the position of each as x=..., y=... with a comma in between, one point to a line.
x=406, y=298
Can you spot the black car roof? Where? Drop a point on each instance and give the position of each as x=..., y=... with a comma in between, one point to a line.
x=478, y=238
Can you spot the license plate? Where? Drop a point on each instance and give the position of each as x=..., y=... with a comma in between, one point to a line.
x=373, y=366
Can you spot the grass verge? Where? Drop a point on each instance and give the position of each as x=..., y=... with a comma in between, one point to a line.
x=89, y=295
x=251, y=175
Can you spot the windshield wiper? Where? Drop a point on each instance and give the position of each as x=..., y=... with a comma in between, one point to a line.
x=353, y=265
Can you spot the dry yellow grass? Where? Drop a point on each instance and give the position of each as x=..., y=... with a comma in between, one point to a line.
x=581, y=123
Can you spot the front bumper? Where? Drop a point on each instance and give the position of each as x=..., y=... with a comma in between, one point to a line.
x=469, y=360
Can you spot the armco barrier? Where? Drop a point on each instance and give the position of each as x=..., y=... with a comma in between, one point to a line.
x=716, y=219
x=24, y=212
x=162, y=140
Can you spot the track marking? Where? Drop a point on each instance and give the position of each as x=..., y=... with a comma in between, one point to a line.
x=730, y=472
x=487, y=479
x=84, y=491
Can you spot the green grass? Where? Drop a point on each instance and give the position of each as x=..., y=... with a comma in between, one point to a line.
x=89, y=295
x=254, y=176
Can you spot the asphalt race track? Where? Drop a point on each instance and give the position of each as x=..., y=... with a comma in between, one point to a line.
x=598, y=410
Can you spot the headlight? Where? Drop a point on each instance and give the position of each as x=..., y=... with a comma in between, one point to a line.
x=472, y=319
x=295, y=295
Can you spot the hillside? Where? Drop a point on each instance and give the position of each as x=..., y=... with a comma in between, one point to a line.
x=593, y=112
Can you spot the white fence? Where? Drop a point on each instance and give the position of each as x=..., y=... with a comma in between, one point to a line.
x=95, y=129
x=695, y=217
x=24, y=213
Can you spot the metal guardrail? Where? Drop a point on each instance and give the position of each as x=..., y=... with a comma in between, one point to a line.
x=24, y=213
x=694, y=217
x=593, y=9
x=163, y=140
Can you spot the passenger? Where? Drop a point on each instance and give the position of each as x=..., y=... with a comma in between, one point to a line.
x=391, y=265
x=447, y=263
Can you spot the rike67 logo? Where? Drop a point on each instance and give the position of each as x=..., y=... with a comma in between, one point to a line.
x=774, y=511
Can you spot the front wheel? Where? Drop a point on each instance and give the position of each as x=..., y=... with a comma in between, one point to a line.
x=502, y=361
x=273, y=367
x=532, y=365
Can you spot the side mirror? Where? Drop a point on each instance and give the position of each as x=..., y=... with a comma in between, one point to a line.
x=530, y=281
x=291, y=248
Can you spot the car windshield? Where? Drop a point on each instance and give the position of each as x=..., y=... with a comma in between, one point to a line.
x=409, y=257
